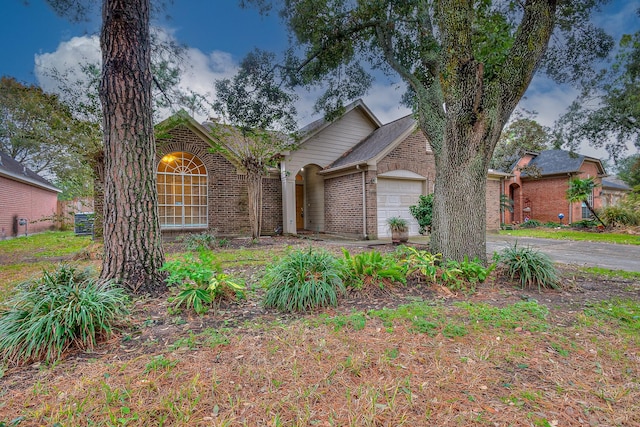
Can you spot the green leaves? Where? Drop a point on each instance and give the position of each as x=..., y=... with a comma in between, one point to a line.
x=303, y=280
x=529, y=266
x=63, y=308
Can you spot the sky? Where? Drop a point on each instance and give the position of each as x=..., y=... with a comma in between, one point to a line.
x=218, y=34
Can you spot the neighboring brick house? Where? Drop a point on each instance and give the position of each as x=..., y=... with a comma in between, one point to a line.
x=28, y=202
x=345, y=177
x=613, y=191
x=539, y=190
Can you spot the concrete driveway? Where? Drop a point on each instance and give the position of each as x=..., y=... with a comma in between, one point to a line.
x=584, y=254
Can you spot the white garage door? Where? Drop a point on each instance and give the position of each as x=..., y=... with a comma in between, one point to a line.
x=394, y=198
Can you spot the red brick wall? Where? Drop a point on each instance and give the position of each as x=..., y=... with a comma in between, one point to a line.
x=25, y=201
x=493, y=204
x=343, y=204
x=227, y=194
x=411, y=154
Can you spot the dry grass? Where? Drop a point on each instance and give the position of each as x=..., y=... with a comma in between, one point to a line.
x=570, y=368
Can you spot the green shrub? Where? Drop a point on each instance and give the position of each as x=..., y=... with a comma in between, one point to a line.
x=202, y=241
x=423, y=262
x=303, y=280
x=619, y=216
x=585, y=223
x=532, y=223
x=371, y=268
x=61, y=309
x=201, y=282
x=471, y=271
x=423, y=213
x=529, y=266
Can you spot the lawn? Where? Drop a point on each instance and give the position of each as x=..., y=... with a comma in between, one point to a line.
x=408, y=355
x=566, y=234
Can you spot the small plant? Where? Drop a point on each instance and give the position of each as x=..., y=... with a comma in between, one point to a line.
x=529, y=266
x=202, y=282
x=532, y=223
x=200, y=241
x=61, y=309
x=371, y=268
x=303, y=280
x=158, y=363
x=423, y=213
x=423, y=262
x=397, y=224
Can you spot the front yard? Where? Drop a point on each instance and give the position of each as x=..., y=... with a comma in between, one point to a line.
x=414, y=354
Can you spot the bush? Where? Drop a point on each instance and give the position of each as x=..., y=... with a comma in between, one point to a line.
x=61, y=309
x=529, y=266
x=532, y=223
x=585, y=223
x=423, y=213
x=202, y=282
x=371, y=268
x=201, y=241
x=303, y=280
x=619, y=216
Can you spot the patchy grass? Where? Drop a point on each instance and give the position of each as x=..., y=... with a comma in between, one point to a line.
x=606, y=272
x=563, y=234
x=44, y=245
x=502, y=356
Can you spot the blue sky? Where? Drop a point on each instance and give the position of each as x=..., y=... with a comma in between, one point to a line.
x=218, y=34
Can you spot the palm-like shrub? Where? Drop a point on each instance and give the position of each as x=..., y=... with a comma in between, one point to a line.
x=372, y=268
x=303, y=280
x=60, y=310
x=530, y=267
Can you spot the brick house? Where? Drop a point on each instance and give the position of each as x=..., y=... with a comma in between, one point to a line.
x=28, y=202
x=345, y=177
x=539, y=190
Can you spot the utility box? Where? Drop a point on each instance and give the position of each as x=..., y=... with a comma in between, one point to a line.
x=84, y=223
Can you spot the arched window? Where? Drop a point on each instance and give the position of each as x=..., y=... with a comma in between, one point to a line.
x=182, y=191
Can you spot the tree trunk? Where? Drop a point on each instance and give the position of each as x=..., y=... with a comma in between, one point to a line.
x=459, y=208
x=254, y=187
x=132, y=239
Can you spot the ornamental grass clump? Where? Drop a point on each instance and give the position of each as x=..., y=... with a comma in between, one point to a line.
x=303, y=280
x=530, y=267
x=62, y=309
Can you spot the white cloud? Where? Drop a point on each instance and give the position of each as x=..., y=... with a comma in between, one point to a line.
x=66, y=59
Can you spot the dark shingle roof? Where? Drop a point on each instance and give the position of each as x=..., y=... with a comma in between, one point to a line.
x=615, y=183
x=551, y=162
x=15, y=170
x=375, y=143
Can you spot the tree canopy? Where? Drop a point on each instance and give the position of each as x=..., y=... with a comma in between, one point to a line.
x=466, y=65
x=258, y=119
x=40, y=132
x=607, y=112
x=521, y=135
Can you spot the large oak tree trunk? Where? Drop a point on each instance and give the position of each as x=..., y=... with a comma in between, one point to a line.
x=132, y=240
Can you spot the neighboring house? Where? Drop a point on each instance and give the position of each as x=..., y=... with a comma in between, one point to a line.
x=346, y=177
x=613, y=191
x=28, y=202
x=539, y=183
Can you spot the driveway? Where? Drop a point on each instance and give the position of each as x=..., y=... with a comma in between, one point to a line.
x=588, y=254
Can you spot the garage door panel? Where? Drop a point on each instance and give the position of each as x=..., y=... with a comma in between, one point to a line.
x=394, y=198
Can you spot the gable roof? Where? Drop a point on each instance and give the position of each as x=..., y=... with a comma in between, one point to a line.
x=553, y=162
x=12, y=169
x=380, y=141
x=316, y=126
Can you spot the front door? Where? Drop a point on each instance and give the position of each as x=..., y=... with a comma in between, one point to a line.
x=300, y=207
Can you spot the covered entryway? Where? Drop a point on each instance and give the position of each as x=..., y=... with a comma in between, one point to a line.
x=395, y=193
